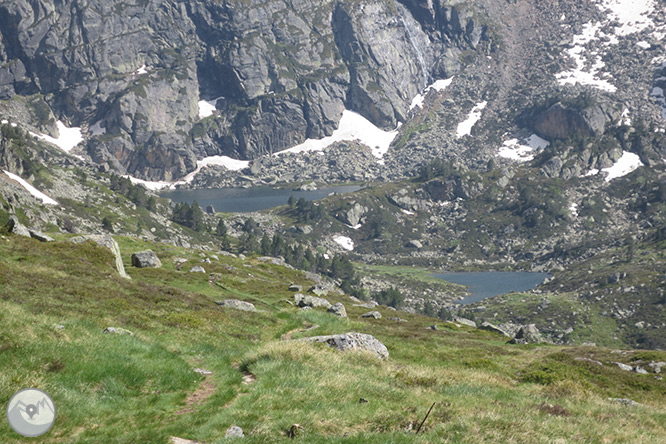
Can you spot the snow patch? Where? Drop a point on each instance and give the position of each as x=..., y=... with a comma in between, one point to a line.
x=355, y=227
x=344, y=242
x=574, y=209
x=465, y=127
x=438, y=85
x=225, y=161
x=141, y=70
x=407, y=212
x=353, y=126
x=627, y=17
x=522, y=150
x=32, y=190
x=207, y=107
x=68, y=137
x=4, y=121
x=626, y=164
x=592, y=172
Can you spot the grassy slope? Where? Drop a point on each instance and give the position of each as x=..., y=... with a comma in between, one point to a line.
x=122, y=389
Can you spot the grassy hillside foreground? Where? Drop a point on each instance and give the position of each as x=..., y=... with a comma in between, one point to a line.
x=57, y=298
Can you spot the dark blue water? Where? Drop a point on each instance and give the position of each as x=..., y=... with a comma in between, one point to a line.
x=486, y=284
x=245, y=200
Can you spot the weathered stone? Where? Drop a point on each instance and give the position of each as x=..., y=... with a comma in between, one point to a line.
x=464, y=321
x=495, y=329
x=238, y=305
x=117, y=331
x=353, y=215
x=234, y=432
x=295, y=287
x=397, y=319
x=527, y=334
x=210, y=209
x=40, y=236
x=625, y=401
x=372, y=314
x=145, y=259
x=415, y=244
x=16, y=227
x=107, y=241
x=353, y=341
x=176, y=440
x=303, y=300
x=338, y=309
x=197, y=269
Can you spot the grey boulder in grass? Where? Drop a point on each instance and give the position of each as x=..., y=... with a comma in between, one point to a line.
x=353, y=341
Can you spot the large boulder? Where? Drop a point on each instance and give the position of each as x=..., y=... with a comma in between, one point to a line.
x=353, y=215
x=338, y=310
x=590, y=120
x=16, y=227
x=146, y=259
x=303, y=300
x=372, y=314
x=238, y=305
x=106, y=241
x=353, y=341
x=527, y=334
x=494, y=328
x=234, y=432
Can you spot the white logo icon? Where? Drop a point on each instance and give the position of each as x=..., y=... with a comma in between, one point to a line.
x=31, y=412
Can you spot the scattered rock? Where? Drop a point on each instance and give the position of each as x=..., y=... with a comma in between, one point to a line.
x=625, y=401
x=433, y=327
x=16, y=227
x=372, y=314
x=353, y=215
x=40, y=236
x=397, y=319
x=146, y=259
x=353, y=341
x=295, y=287
x=495, y=329
x=625, y=367
x=303, y=300
x=464, y=321
x=338, y=309
x=362, y=401
x=371, y=304
x=107, y=241
x=414, y=244
x=197, y=269
x=234, y=432
x=201, y=371
x=591, y=361
x=306, y=308
x=656, y=366
x=236, y=304
x=117, y=331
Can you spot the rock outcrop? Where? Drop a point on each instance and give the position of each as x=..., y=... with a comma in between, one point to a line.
x=236, y=304
x=275, y=73
x=105, y=241
x=353, y=341
x=303, y=300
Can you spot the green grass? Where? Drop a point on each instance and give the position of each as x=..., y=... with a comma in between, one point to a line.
x=127, y=389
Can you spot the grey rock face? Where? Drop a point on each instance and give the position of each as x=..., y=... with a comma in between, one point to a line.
x=145, y=259
x=107, y=241
x=338, y=309
x=281, y=71
x=234, y=432
x=415, y=244
x=238, y=305
x=561, y=122
x=353, y=215
x=353, y=341
x=302, y=300
x=197, y=269
x=17, y=227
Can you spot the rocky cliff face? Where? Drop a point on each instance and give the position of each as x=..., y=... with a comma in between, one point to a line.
x=131, y=73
